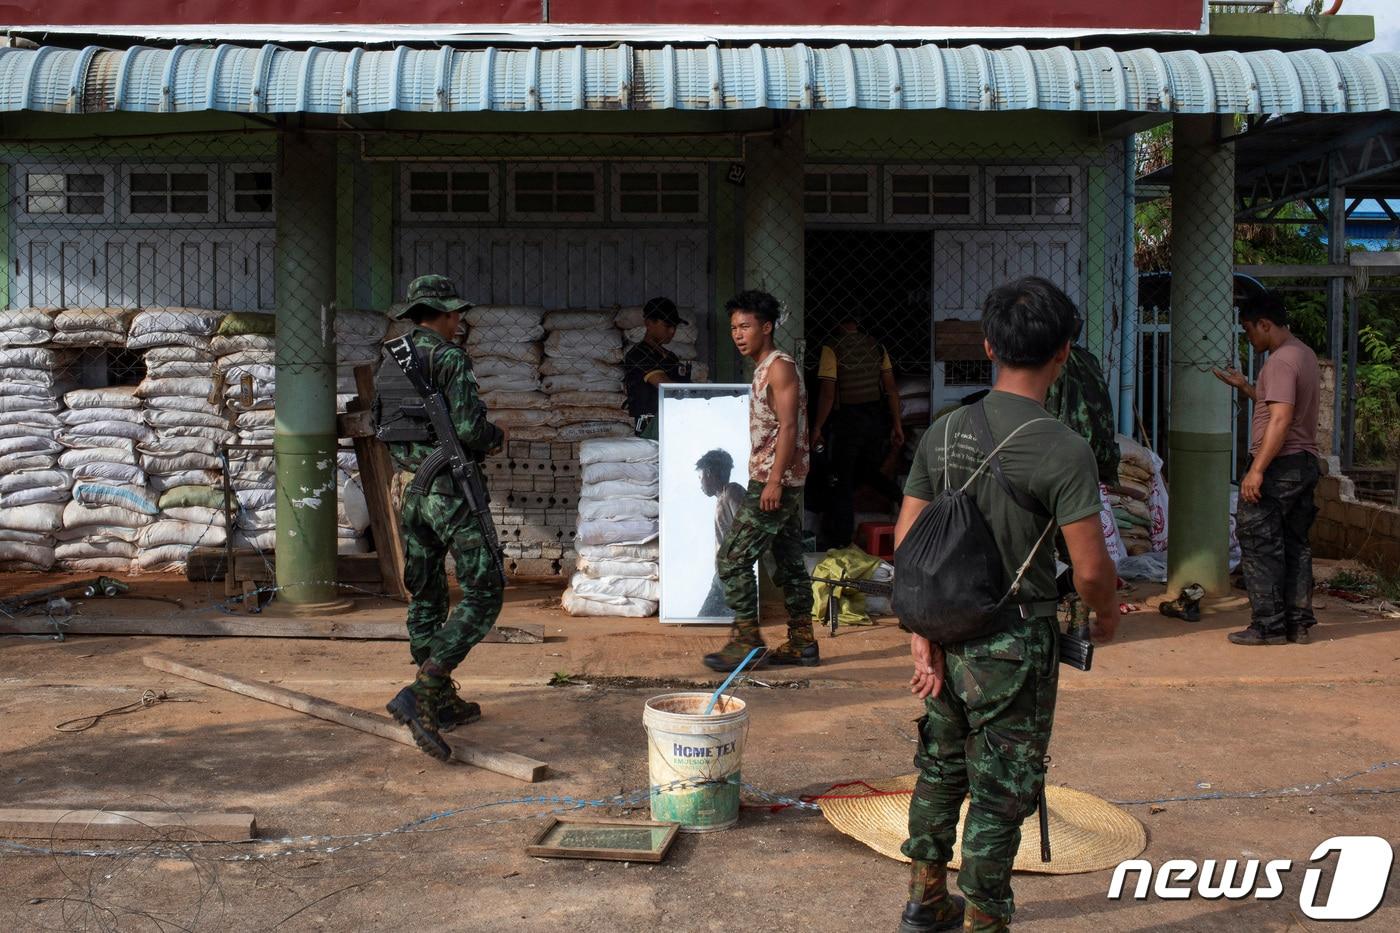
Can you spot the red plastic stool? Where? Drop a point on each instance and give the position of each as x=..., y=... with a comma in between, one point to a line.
x=876, y=539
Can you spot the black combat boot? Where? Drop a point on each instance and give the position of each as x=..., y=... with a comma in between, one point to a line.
x=1298, y=635
x=1186, y=606
x=416, y=706
x=800, y=647
x=453, y=711
x=743, y=638
x=1253, y=636
x=931, y=908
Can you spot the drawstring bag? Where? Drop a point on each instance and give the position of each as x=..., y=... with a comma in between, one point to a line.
x=949, y=582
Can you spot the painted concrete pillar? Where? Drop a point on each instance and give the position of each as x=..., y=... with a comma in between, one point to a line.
x=305, y=441
x=1202, y=336
x=774, y=226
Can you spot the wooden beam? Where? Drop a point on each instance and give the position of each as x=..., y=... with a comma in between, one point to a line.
x=507, y=763
x=376, y=477
x=30, y=823
x=259, y=627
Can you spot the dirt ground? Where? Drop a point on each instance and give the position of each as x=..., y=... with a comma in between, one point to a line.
x=1171, y=710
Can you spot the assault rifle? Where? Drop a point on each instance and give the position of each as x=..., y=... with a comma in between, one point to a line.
x=449, y=454
x=868, y=587
x=1076, y=649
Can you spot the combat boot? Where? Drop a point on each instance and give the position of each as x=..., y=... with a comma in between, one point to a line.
x=1253, y=637
x=1187, y=606
x=416, y=705
x=453, y=711
x=743, y=638
x=975, y=921
x=800, y=647
x=931, y=908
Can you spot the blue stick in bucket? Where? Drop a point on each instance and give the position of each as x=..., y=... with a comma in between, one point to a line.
x=710, y=706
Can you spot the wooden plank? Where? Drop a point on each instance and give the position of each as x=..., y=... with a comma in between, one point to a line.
x=958, y=340
x=507, y=763
x=376, y=478
x=32, y=823
x=360, y=569
x=263, y=626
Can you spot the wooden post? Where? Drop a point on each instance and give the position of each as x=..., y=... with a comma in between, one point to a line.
x=376, y=475
x=507, y=763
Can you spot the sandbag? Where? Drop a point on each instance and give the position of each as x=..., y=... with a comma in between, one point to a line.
x=10, y=403
x=178, y=462
x=94, y=547
x=96, y=495
x=197, y=515
x=172, y=531
x=77, y=515
x=351, y=507
x=179, y=354
x=629, y=587
x=597, y=569
x=516, y=400
x=240, y=323
x=35, y=479
x=106, y=430
x=161, y=482
x=14, y=463
x=601, y=321
x=646, y=473
x=98, y=565
x=579, y=343
x=597, y=510
x=591, y=430
x=492, y=367
x=88, y=415
x=633, y=531
x=36, y=358
x=563, y=365
x=193, y=386
x=167, y=339
x=592, y=401
x=175, y=320
x=111, y=397
x=223, y=345
x=566, y=416
x=108, y=471
x=578, y=605
x=25, y=537
x=645, y=552
x=175, y=418
x=38, y=556
x=514, y=417
x=28, y=444
x=42, y=518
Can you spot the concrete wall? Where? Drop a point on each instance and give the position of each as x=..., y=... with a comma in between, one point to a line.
x=1350, y=529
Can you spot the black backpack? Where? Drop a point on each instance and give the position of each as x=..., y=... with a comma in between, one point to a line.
x=949, y=582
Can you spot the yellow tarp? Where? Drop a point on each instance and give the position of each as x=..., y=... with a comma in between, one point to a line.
x=850, y=563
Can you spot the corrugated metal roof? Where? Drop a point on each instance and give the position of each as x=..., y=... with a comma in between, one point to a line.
x=271, y=79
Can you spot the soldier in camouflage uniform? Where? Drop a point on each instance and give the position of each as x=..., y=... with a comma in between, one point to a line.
x=989, y=702
x=771, y=517
x=439, y=522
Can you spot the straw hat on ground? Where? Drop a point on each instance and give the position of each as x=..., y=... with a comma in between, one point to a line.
x=1087, y=833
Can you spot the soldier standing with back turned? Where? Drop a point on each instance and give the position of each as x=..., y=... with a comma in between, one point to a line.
x=438, y=521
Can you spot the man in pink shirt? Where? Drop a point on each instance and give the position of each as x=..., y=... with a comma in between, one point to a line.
x=1276, y=508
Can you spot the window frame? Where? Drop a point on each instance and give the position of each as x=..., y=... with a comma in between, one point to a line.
x=209, y=215
x=231, y=213
x=595, y=215
x=702, y=209
x=869, y=216
x=493, y=192
x=1076, y=191
x=973, y=173
x=24, y=216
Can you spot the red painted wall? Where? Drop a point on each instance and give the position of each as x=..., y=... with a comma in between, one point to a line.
x=1097, y=14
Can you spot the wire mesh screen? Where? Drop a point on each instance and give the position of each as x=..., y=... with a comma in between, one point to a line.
x=157, y=289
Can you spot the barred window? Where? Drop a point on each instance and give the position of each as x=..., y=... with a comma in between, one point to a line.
x=82, y=194
x=658, y=193
x=250, y=194
x=152, y=194
x=1033, y=194
x=840, y=195
x=919, y=194
x=539, y=193
x=458, y=192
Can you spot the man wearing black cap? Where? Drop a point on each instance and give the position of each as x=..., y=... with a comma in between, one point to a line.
x=648, y=364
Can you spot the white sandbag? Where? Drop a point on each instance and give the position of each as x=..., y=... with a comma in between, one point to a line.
x=29, y=419
x=167, y=445
x=106, y=430
x=256, y=419
x=1109, y=526
x=109, y=472
x=180, y=354
x=88, y=415
x=619, y=489
x=111, y=397
x=629, y=587
x=175, y=320
x=36, y=358
x=518, y=382
x=92, y=326
x=24, y=336
x=633, y=531
x=601, y=321
x=10, y=403
x=351, y=546
x=220, y=435
x=33, y=377
x=646, y=473
x=630, y=317
x=503, y=315
x=42, y=518
x=577, y=605
x=126, y=497
x=569, y=366
x=576, y=383
x=597, y=569
x=582, y=343
x=172, y=531
x=514, y=417
x=77, y=515
x=28, y=444
x=97, y=565
x=360, y=326
x=632, y=450
x=176, y=369
x=13, y=463
x=38, y=556
x=27, y=390
x=598, y=510
x=510, y=349
x=197, y=386
x=167, y=339
x=518, y=400
x=97, y=533
x=254, y=499
x=169, y=418
x=35, y=479
x=197, y=515
x=574, y=415
x=226, y=344
x=25, y=537
x=1157, y=505
x=162, y=482
x=178, y=463
x=166, y=558
x=351, y=507
x=644, y=552
x=94, y=547
x=34, y=496
x=592, y=430
x=686, y=335
x=486, y=367
x=591, y=400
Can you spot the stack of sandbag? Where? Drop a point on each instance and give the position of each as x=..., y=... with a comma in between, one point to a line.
x=582, y=374
x=503, y=342
x=183, y=406
x=92, y=327
x=26, y=327
x=102, y=430
x=33, y=485
x=618, y=523
x=1139, y=501
x=358, y=337
x=245, y=349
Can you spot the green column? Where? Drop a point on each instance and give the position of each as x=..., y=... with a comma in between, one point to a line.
x=304, y=444
x=774, y=226
x=1202, y=336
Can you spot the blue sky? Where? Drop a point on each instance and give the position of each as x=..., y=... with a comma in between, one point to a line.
x=1387, y=22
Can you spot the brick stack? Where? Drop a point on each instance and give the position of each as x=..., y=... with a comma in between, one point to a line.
x=534, y=502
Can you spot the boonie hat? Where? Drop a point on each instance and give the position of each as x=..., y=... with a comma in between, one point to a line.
x=664, y=310
x=432, y=291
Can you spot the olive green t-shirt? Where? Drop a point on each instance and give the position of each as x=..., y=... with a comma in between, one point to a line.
x=1047, y=460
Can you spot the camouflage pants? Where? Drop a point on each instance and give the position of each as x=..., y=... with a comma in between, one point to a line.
x=986, y=735
x=1275, y=553
x=753, y=532
x=433, y=525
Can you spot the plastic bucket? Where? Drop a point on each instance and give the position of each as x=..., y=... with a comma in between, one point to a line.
x=685, y=745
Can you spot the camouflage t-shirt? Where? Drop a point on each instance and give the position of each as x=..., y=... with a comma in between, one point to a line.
x=763, y=427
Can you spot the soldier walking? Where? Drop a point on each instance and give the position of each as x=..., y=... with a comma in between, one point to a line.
x=770, y=518
x=438, y=520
